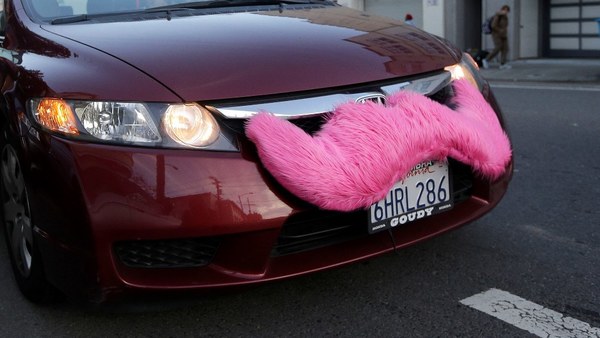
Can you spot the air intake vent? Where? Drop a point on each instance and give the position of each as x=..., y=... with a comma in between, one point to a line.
x=177, y=253
x=318, y=228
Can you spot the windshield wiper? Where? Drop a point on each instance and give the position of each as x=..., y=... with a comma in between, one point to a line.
x=70, y=19
x=186, y=6
x=231, y=3
x=194, y=5
x=86, y=17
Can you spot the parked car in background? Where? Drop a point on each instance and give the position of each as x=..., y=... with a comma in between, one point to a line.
x=125, y=165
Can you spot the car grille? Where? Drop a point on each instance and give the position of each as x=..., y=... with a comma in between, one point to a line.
x=310, y=125
x=315, y=228
x=317, y=108
x=462, y=181
x=176, y=253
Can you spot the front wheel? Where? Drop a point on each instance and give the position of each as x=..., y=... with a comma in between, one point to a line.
x=18, y=228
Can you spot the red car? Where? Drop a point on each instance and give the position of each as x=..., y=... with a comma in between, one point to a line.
x=125, y=160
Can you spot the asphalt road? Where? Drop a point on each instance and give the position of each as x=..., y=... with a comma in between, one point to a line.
x=541, y=243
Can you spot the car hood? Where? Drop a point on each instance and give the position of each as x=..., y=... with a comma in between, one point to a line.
x=236, y=55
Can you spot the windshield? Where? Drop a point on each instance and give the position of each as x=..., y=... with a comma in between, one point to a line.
x=48, y=9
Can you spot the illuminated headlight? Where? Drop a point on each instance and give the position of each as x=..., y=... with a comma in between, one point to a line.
x=467, y=69
x=142, y=124
x=190, y=125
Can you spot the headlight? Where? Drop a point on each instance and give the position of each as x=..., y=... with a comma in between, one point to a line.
x=141, y=124
x=467, y=69
x=118, y=122
x=191, y=125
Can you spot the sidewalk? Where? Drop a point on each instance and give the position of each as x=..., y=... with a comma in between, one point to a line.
x=576, y=71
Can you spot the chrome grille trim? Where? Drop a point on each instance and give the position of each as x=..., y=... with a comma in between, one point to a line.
x=377, y=98
x=318, y=105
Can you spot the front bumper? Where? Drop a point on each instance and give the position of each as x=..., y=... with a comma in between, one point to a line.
x=133, y=195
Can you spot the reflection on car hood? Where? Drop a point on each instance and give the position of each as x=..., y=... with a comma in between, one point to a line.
x=213, y=57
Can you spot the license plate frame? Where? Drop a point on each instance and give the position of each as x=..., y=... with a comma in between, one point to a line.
x=424, y=192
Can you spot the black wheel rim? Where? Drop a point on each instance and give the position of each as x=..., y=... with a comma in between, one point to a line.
x=16, y=213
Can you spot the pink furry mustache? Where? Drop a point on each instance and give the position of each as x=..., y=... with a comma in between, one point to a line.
x=364, y=149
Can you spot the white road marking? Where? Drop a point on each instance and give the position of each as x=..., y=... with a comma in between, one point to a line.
x=529, y=316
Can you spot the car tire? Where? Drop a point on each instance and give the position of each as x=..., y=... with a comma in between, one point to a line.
x=18, y=227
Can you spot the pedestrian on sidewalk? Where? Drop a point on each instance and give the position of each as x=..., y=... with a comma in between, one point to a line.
x=500, y=38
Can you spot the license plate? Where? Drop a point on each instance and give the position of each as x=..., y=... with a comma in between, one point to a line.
x=425, y=191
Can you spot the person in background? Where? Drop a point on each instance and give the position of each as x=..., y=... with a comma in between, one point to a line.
x=408, y=19
x=500, y=38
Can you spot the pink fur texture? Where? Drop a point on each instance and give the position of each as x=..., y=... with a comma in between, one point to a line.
x=363, y=149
